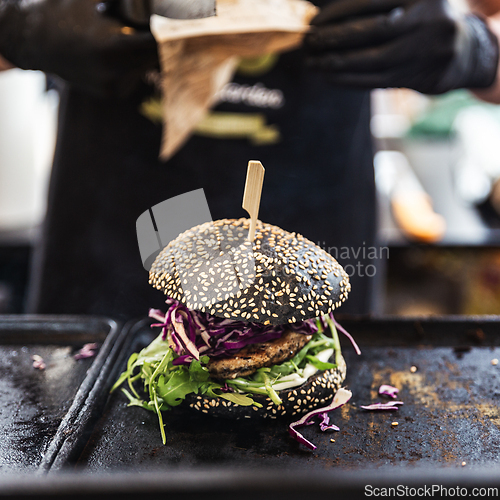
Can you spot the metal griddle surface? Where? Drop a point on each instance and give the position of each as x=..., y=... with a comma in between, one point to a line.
x=451, y=412
x=33, y=403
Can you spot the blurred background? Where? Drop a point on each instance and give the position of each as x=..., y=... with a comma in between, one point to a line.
x=28, y=122
x=437, y=168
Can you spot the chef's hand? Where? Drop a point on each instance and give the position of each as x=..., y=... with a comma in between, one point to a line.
x=78, y=41
x=425, y=45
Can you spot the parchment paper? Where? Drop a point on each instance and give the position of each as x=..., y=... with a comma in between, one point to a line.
x=198, y=57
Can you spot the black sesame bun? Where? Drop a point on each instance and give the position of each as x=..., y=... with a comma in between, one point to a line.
x=278, y=278
x=318, y=391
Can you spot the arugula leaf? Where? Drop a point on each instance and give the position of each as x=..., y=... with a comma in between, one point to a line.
x=147, y=372
x=160, y=417
x=198, y=372
x=284, y=369
x=127, y=373
x=270, y=390
x=176, y=387
x=335, y=337
x=320, y=365
x=136, y=401
x=243, y=384
x=155, y=351
x=239, y=399
x=213, y=390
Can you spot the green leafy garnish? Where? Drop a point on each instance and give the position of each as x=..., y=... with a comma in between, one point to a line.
x=320, y=365
x=335, y=337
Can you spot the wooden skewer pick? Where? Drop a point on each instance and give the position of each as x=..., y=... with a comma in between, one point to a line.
x=251, y=196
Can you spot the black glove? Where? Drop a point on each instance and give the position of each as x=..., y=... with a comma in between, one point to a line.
x=424, y=45
x=77, y=41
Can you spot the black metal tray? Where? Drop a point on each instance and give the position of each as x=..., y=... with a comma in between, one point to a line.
x=43, y=412
x=450, y=416
x=450, y=419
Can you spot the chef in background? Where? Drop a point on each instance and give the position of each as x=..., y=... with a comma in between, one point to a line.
x=316, y=145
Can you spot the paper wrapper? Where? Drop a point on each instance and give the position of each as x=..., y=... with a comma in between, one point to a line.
x=198, y=57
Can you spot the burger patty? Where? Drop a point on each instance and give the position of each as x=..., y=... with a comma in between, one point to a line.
x=255, y=356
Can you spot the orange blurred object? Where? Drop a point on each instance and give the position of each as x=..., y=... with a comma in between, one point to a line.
x=414, y=215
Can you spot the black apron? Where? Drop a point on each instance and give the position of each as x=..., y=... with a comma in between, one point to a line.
x=318, y=182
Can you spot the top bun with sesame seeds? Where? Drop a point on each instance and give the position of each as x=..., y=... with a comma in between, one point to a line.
x=278, y=278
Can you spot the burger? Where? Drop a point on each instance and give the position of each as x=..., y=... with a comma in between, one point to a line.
x=249, y=329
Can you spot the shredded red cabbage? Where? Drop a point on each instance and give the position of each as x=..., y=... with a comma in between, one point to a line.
x=193, y=333
x=391, y=405
x=325, y=425
x=87, y=351
x=346, y=333
x=388, y=390
x=339, y=400
x=38, y=362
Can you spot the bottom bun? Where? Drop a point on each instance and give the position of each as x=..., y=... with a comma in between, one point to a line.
x=318, y=391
